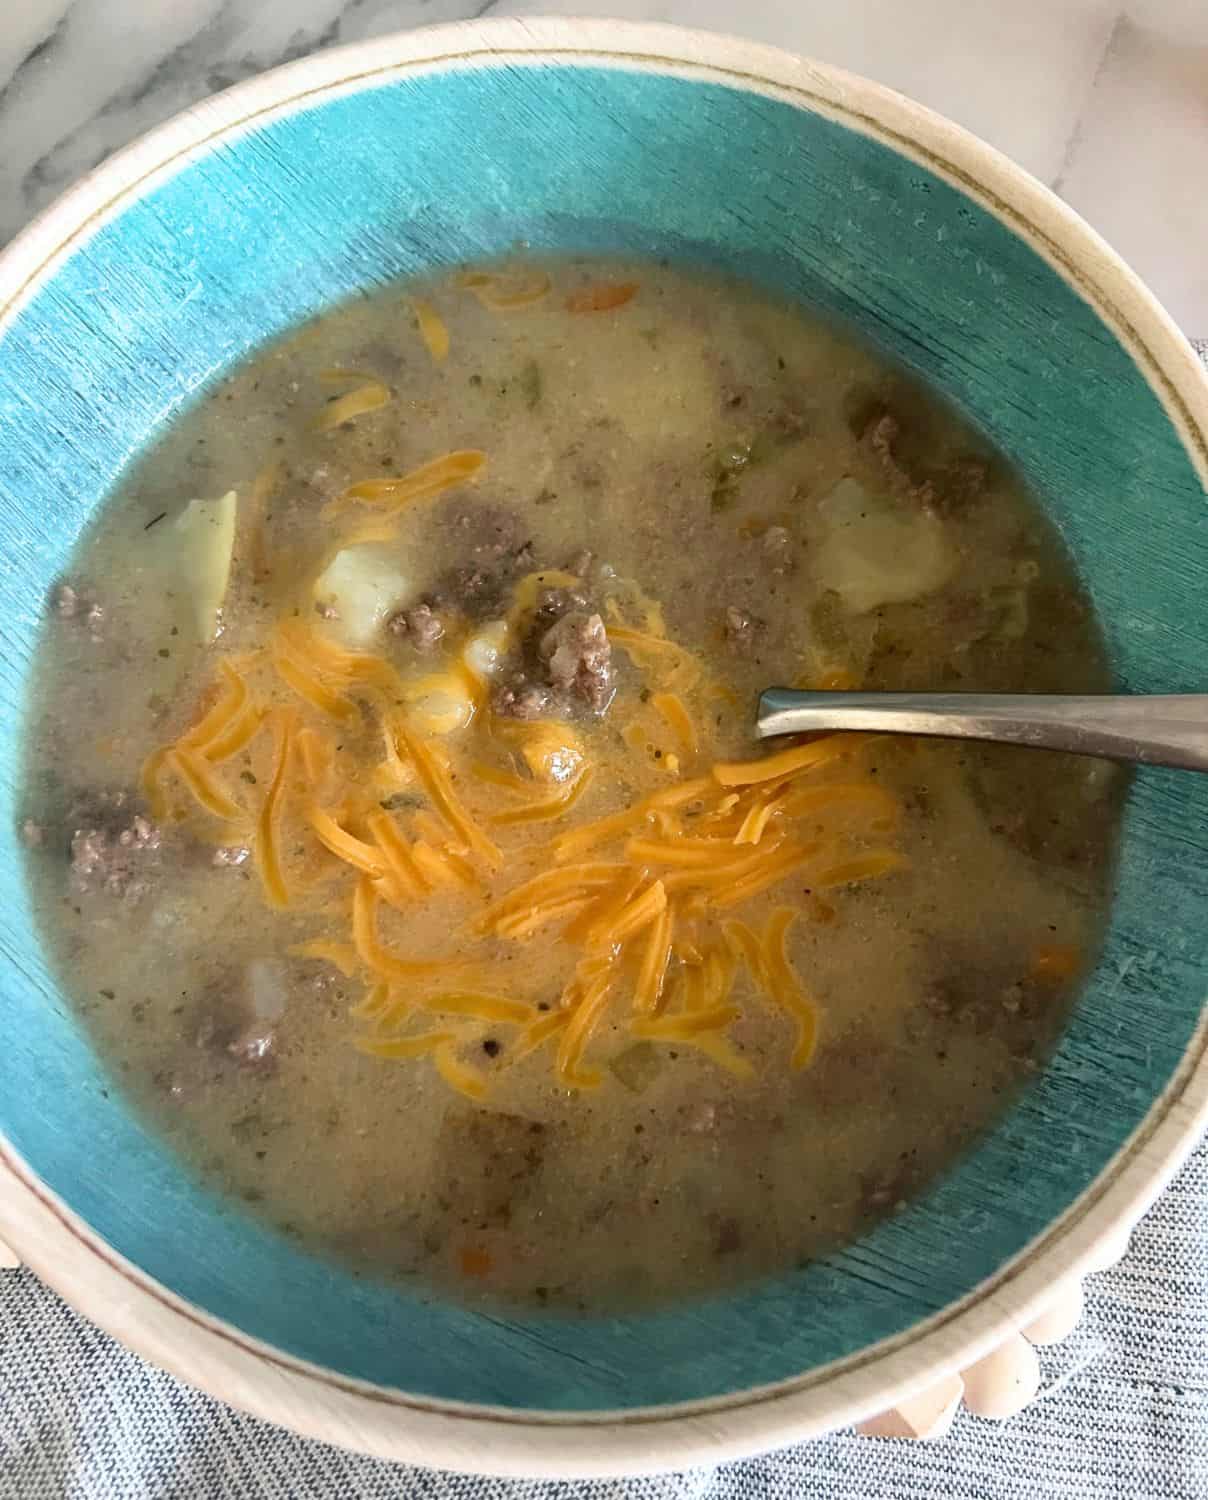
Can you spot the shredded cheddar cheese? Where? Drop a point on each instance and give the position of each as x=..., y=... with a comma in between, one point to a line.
x=500, y=292
x=262, y=487
x=538, y=1034
x=633, y=917
x=524, y=601
x=598, y=914
x=389, y=496
x=357, y=813
x=437, y=783
x=356, y=403
x=785, y=987
x=399, y=1047
x=316, y=755
x=771, y=872
x=863, y=867
x=151, y=783
x=721, y=1051
x=585, y=1017
x=680, y=1027
x=265, y=848
x=379, y=997
x=652, y=973
x=864, y=794
x=482, y=1008
x=523, y=924
x=360, y=855
x=234, y=739
x=194, y=771
x=787, y=763
x=398, y=856
x=290, y=663
x=219, y=718
x=434, y=866
x=457, y=1074
x=678, y=667
x=678, y=720
x=542, y=812
x=552, y=884
x=432, y=329
x=342, y=955
x=377, y=958
x=499, y=776
x=391, y=1018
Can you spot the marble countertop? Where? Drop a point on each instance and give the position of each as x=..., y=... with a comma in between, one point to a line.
x=1104, y=100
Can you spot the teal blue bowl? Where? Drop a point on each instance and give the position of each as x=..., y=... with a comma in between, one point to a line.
x=294, y=192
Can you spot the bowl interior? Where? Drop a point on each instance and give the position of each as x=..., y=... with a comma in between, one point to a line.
x=418, y=170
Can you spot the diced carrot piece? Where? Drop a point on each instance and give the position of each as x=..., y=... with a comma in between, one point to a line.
x=1055, y=963
x=475, y=1261
x=602, y=296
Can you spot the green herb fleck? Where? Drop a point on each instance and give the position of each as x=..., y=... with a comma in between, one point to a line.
x=637, y=1067
x=727, y=467
x=399, y=800
x=530, y=383
x=248, y=1125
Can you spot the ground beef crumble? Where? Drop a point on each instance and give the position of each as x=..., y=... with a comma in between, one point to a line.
x=741, y=629
x=478, y=587
x=420, y=625
x=71, y=604
x=249, y=1042
x=231, y=856
x=577, y=654
x=946, y=488
x=522, y=699
x=778, y=549
x=566, y=657
x=552, y=604
x=119, y=863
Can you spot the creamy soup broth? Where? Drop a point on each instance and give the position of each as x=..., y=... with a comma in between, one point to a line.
x=668, y=492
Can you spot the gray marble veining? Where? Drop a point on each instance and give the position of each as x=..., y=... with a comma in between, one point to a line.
x=1106, y=100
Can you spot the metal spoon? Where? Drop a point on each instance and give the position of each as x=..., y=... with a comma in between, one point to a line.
x=1153, y=731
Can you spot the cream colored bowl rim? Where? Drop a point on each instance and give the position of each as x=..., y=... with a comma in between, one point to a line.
x=205, y=1352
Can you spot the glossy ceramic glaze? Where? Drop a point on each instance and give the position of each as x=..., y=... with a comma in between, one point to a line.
x=301, y=188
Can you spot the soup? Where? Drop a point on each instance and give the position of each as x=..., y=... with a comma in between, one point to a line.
x=396, y=821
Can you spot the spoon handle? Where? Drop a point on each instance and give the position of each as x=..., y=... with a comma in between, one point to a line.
x=1154, y=731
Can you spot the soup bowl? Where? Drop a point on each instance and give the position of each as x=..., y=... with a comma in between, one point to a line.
x=301, y=188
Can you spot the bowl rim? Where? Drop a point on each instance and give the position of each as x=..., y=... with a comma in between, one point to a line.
x=206, y=1352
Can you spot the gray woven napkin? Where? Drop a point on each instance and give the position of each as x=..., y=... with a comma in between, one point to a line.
x=1123, y=1412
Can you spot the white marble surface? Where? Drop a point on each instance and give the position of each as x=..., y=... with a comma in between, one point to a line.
x=1105, y=100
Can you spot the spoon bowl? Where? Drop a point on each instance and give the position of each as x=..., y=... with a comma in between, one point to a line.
x=1149, y=730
